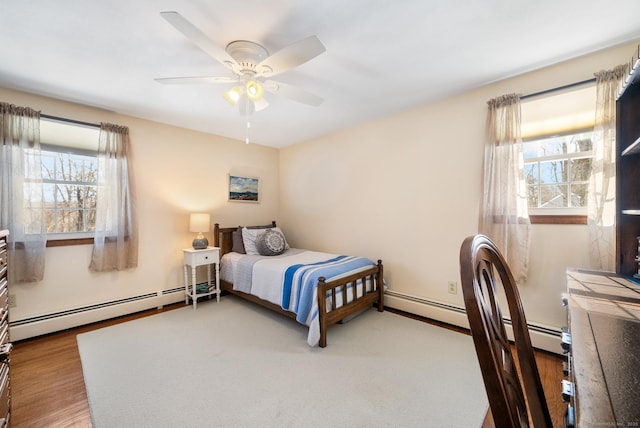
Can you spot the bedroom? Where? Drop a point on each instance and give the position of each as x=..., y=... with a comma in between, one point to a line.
x=191, y=176
x=179, y=171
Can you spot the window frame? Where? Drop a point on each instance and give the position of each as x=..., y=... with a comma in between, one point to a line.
x=84, y=147
x=566, y=215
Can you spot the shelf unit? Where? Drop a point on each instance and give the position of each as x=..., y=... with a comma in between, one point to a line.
x=633, y=148
x=628, y=174
x=5, y=345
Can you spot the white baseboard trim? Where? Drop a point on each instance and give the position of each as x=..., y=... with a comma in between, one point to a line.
x=58, y=321
x=546, y=338
x=542, y=337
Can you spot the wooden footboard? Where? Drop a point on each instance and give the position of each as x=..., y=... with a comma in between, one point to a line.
x=372, y=292
x=327, y=314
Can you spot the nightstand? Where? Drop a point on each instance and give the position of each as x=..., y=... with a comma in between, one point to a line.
x=194, y=258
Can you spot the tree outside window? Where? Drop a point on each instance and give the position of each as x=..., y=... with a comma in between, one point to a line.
x=69, y=183
x=557, y=171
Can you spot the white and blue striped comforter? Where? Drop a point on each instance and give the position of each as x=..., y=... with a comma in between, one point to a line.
x=290, y=280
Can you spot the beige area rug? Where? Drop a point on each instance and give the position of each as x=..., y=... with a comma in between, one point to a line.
x=234, y=364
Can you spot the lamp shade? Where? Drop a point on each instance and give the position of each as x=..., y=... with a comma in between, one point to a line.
x=199, y=222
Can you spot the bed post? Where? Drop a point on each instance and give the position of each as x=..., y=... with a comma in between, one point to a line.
x=216, y=235
x=380, y=287
x=322, y=312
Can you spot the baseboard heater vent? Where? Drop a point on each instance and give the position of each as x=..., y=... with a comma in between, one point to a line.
x=542, y=329
x=544, y=337
x=173, y=290
x=426, y=301
x=61, y=320
x=79, y=310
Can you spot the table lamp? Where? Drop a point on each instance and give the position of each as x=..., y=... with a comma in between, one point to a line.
x=199, y=222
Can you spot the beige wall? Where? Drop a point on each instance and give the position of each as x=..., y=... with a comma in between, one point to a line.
x=177, y=171
x=407, y=188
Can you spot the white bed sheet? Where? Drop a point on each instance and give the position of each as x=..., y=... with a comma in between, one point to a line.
x=267, y=284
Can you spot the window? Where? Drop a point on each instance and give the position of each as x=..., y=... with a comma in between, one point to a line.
x=69, y=175
x=557, y=172
x=557, y=133
x=69, y=184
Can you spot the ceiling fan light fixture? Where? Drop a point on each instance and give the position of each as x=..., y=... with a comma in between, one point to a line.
x=266, y=70
x=255, y=91
x=233, y=95
x=246, y=107
x=252, y=66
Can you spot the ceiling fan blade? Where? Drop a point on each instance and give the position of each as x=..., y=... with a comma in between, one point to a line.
x=291, y=56
x=293, y=92
x=195, y=79
x=198, y=38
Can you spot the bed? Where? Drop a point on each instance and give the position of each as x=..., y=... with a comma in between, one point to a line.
x=308, y=286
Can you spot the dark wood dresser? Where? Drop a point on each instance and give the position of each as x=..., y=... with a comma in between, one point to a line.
x=603, y=347
x=5, y=345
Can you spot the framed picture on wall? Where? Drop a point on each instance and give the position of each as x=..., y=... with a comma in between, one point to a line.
x=244, y=189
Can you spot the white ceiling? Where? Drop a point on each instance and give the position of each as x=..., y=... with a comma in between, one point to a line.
x=382, y=56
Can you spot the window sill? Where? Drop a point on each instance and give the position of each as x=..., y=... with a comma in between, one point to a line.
x=558, y=219
x=69, y=242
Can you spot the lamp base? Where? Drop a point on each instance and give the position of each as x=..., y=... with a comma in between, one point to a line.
x=200, y=242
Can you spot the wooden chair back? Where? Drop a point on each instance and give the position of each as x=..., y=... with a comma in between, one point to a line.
x=514, y=388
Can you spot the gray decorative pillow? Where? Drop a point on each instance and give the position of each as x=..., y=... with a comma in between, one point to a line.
x=270, y=243
x=238, y=245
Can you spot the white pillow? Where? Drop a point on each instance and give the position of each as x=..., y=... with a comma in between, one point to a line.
x=249, y=239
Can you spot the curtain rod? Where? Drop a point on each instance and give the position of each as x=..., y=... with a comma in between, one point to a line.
x=559, y=88
x=64, y=119
x=524, y=97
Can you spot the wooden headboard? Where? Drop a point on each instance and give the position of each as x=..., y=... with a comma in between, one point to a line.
x=223, y=236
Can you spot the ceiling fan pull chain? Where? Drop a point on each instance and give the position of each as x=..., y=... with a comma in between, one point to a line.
x=246, y=141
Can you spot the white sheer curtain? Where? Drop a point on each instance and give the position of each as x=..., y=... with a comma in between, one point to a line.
x=116, y=237
x=504, y=215
x=601, y=211
x=21, y=192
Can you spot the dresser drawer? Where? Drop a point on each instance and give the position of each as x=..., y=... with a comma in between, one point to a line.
x=3, y=256
x=201, y=257
x=3, y=264
x=4, y=333
x=5, y=392
x=4, y=296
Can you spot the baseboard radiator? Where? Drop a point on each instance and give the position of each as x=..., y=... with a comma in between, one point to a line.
x=62, y=320
x=542, y=337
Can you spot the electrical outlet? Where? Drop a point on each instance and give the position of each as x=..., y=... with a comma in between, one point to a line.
x=453, y=287
x=12, y=301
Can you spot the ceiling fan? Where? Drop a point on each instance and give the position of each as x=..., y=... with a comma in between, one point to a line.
x=252, y=66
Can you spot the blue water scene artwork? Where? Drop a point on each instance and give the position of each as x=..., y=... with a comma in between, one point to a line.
x=243, y=188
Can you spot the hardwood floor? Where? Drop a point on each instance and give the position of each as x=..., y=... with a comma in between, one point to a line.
x=47, y=385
